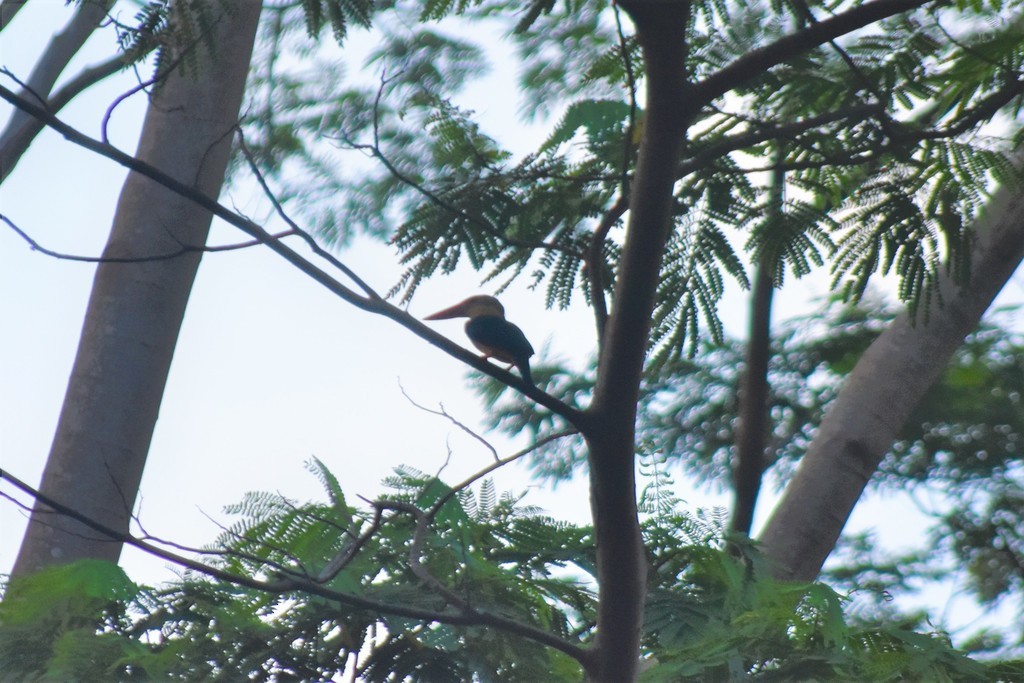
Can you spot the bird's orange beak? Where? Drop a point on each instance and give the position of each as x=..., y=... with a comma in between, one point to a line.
x=456, y=311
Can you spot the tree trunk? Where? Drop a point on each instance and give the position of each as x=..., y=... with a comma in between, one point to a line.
x=879, y=395
x=61, y=49
x=753, y=411
x=136, y=308
x=610, y=427
x=752, y=433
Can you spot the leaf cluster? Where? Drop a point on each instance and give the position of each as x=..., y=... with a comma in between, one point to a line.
x=961, y=446
x=710, y=614
x=884, y=144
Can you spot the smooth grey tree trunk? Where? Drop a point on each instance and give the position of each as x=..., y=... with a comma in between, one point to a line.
x=136, y=309
x=879, y=395
x=22, y=127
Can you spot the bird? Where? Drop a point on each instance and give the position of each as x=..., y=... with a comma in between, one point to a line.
x=491, y=333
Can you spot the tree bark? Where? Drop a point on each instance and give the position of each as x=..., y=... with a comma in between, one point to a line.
x=879, y=395
x=61, y=49
x=753, y=406
x=8, y=9
x=136, y=309
x=753, y=412
x=610, y=428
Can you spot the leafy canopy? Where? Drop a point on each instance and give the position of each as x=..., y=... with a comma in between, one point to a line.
x=710, y=613
x=889, y=140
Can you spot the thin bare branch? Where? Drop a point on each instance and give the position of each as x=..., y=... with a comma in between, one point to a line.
x=306, y=237
x=371, y=305
x=444, y=413
x=15, y=141
x=500, y=462
x=291, y=581
x=185, y=248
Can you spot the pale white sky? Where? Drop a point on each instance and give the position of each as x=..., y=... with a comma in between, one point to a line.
x=270, y=368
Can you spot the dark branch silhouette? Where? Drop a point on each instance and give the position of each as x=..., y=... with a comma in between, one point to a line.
x=185, y=248
x=370, y=303
x=289, y=580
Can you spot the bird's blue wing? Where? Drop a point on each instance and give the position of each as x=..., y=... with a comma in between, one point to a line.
x=499, y=338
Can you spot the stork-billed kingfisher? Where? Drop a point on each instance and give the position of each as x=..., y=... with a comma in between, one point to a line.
x=490, y=332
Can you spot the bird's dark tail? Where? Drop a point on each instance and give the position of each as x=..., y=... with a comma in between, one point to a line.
x=524, y=370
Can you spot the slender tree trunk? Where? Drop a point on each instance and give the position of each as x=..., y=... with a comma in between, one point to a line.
x=753, y=406
x=752, y=434
x=879, y=395
x=611, y=419
x=51, y=64
x=136, y=309
x=9, y=8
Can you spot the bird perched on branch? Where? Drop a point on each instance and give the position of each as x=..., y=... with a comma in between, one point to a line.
x=491, y=333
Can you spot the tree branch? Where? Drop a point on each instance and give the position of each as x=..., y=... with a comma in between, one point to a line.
x=9, y=8
x=185, y=248
x=759, y=61
x=878, y=396
x=444, y=413
x=306, y=237
x=341, y=560
x=294, y=582
x=610, y=430
x=595, y=263
x=753, y=412
x=14, y=143
x=768, y=131
x=60, y=50
x=498, y=463
x=366, y=303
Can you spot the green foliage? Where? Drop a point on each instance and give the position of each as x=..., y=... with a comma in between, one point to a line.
x=64, y=624
x=179, y=36
x=886, y=144
x=962, y=446
x=711, y=615
x=338, y=13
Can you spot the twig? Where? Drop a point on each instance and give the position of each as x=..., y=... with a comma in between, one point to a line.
x=371, y=305
x=595, y=263
x=501, y=462
x=416, y=553
x=292, y=582
x=17, y=137
x=157, y=76
x=444, y=413
x=377, y=152
x=347, y=554
x=185, y=248
x=255, y=559
x=295, y=229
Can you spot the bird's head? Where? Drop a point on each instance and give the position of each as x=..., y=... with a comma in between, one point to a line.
x=472, y=307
